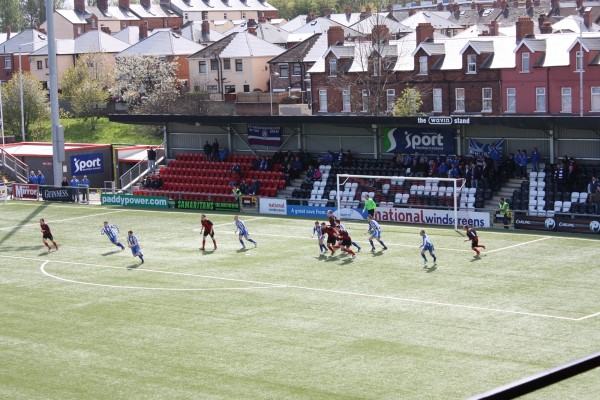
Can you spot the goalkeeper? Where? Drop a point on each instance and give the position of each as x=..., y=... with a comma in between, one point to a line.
x=504, y=208
x=370, y=206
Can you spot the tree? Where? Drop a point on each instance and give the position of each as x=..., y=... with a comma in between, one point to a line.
x=36, y=107
x=86, y=85
x=408, y=104
x=147, y=83
x=10, y=15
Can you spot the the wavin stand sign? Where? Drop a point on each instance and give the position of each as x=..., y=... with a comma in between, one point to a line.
x=419, y=140
x=87, y=164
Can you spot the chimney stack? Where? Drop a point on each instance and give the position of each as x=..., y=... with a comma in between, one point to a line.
x=102, y=5
x=348, y=12
x=494, y=28
x=8, y=32
x=79, y=6
x=310, y=17
x=587, y=19
x=424, y=31
x=335, y=35
x=380, y=34
x=252, y=30
x=541, y=20
x=440, y=6
x=262, y=19
x=145, y=3
x=411, y=12
x=252, y=22
x=524, y=27
x=124, y=4
x=205, y=28
x=473, y=5
x=546, y=27
x=143, y=31
x=480, y=8
x=105, y=29
x=390, y=7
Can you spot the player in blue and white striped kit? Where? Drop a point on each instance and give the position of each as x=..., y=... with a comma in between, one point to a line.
x=111, y=230
x=320, y=236
x=134, y=245
x=240, y=228
x=427, y=246
x=375, y=232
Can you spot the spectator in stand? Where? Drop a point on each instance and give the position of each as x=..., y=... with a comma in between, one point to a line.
x=571, y=175
x=159, y=182
x=243, y=187
x=297, y=166
x=75, y=185
x=509, y=166
x=254, y=188
x=523, y=164
x=517, y=162
x=454, y=172
x=433, y=168
x=278, y=157
x=486, y=173
x=262, y=164
x=593, y=185
x=207, y=151
x=594, y=198
x=41, y=179
x=535, y=160
x=65, y=182
x=476, y=174
x=289, y=157
x=559, y=177
x=408, y=161
x=348, y=157
x=235, y=169
x=318, y=175
x=310, y=174
x=467, y=174
x=151, y=159
x=33, y=179
x=223, y=154
x=495, y=156
x=340, y=157
x=85, y=185
x=329, y=157
x=399, y=159
x=304, y=157
x=443, y=170
x=215, y=150
x=288, y=173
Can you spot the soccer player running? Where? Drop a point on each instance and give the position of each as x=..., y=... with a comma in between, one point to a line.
x=320, y=236
x=427, y=246
x=134, y=245
x=339, y=224
x=375, y=232
x=111, y=230
x=472, y=236
x=207, y=229
x=240, y=228
x=331, y=236
x=346, y=241
x=47, y=235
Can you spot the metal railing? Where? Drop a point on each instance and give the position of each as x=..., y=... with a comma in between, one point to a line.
x=139, y=170
x=13, y=166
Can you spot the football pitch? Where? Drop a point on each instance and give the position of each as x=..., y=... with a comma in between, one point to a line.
x=279, y=321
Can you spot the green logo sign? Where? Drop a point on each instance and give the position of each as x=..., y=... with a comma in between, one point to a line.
x=129, y=200
x=207, y=205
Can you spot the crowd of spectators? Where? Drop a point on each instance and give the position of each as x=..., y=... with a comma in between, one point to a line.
x=152, y=181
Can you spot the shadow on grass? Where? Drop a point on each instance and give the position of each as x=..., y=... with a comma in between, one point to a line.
x=242, y=250
x=133, y=266
x=110, y=253
x=475, y=258
x=32, y=216
x=347, y=261
x=431, y=269
x=377, y=253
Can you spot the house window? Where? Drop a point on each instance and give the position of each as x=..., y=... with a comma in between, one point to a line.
x=376, y=66
x=225, y=16
x=227, y=63
x=471, y=63
x=332, y=67
x=365, y=100
x=39, y=65
x=596, y=98
x=297, y=69
x=239, y=66
x=202, y=67
x=186, y=16
x=525, y=62
x=93, y=23
x=460, y=99
x=579, y=61
x=566, y=100
x=79, y=31
x=229, y=88
x=284, y=70
x=437, y=100
x=423, y=65
x=212, y=89
x=322, y=100
x=46, y=62
x=390, y=97
x=346, y=101
x=214, y=65
x=540, y=99
x=486, y=100
x=166, y=23
x=511, y=100
x=246, y=88
x=8, y=63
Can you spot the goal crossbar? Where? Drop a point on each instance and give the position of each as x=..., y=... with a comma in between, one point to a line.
x=457, y=183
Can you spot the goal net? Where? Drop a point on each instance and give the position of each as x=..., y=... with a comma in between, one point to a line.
x=435, y=201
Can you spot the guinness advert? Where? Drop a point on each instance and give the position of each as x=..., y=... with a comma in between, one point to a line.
x=57, y=193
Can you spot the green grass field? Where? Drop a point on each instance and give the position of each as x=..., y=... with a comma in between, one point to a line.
x=278, y=321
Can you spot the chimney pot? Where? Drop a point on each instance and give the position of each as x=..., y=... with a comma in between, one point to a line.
x=79, y=6
x=587, y=19
x=124, y=4
x=424, y=31
x=8, y=32
x=335, y=35
x=546, y=27
x=102, y=4
x=205, y=28
x=524, y=27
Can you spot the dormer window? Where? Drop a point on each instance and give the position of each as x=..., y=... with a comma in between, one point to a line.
x=471, y=63
x=423, y=65
x=333, y=67
x=525, y=62
x=376, y=66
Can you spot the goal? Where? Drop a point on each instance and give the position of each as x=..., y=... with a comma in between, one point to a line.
x=436, y=201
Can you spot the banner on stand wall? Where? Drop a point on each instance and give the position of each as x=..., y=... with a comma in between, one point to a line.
x=24, y=191
x=268, y=205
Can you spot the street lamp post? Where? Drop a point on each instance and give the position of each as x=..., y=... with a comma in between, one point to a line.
x=21, y=89
x=2, y=122
x=276, y=74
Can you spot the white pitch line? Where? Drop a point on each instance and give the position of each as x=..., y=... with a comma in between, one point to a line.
x=588, y=316
x=227, y=224
x=518, y=244
x=332, y=291
x=62, y=220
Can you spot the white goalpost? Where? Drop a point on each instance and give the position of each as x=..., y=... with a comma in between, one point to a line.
x=404, y=192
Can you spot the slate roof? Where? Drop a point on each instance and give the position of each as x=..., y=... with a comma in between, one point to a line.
x=308, y=51
x=366, y=25
x=129, y=34
x=89, y=42
x=320, y=25
x=28, y=36
x=345, y=19
x=192, y=30
x=73, y=17
x=220, y=5
x=265, y=31
x=154, y=11
x=112, y=13
x=432, y=17
x=294, y=23
x=238, y=45
x=162, y=44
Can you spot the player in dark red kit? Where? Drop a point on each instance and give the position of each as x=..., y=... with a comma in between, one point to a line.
x=331, y=218
x=472, y=236
x=346, y=241
x=47, y=235
x=331, y=236
x=207, y=229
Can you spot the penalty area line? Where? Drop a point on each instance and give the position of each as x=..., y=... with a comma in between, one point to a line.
x=518, y=245
x=588, y=316
x=62, y=220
